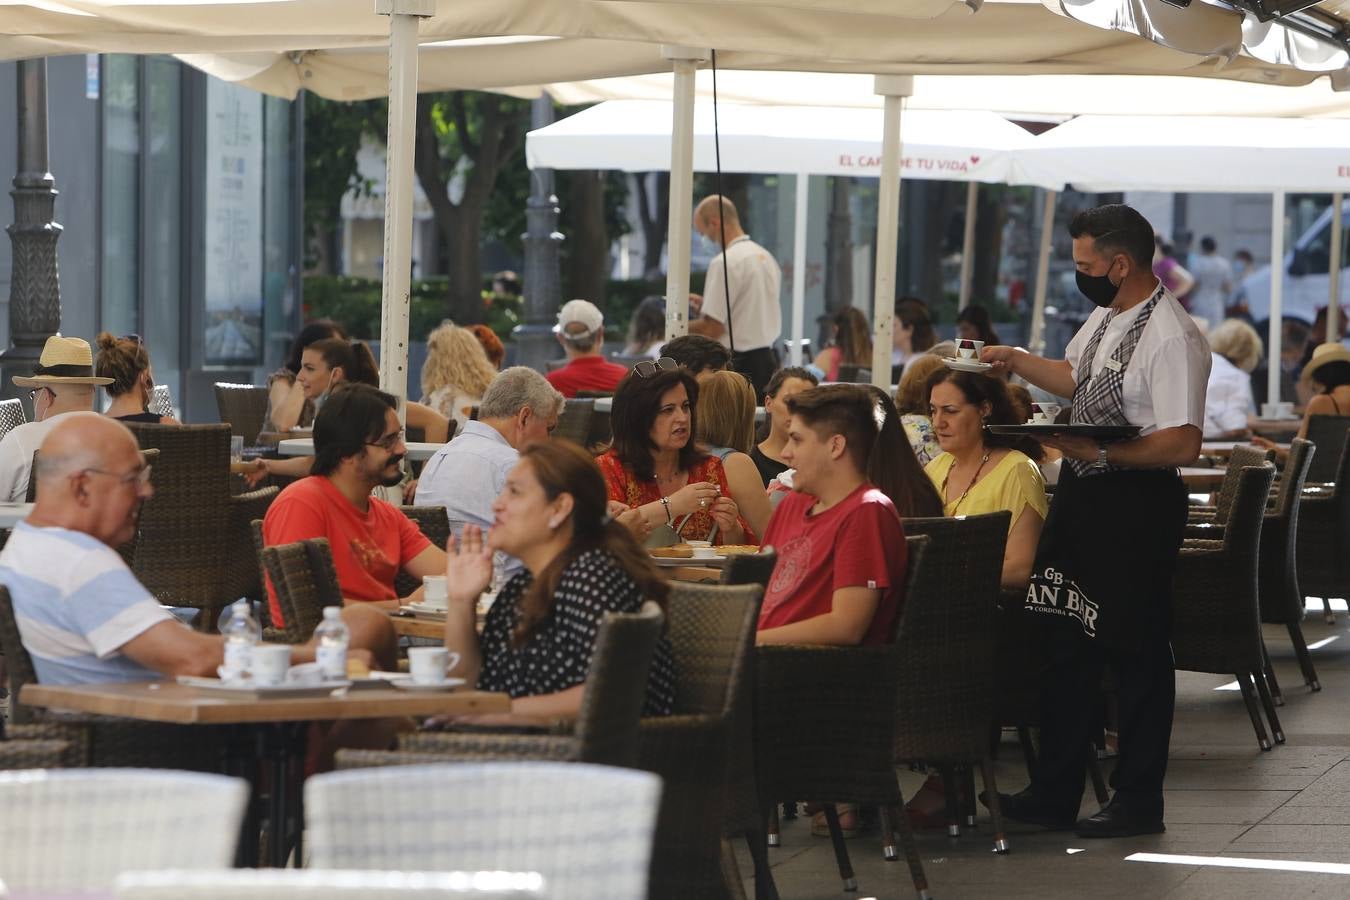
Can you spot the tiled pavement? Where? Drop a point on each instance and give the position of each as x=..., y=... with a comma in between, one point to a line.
x=1225, y=798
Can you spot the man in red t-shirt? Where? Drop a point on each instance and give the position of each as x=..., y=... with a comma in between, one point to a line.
x=581, y=331
x=840, y=575
x=358, y=446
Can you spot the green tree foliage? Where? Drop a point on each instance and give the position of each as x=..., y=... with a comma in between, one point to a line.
x=333, y=133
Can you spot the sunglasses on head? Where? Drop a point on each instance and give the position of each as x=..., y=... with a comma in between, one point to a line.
x=649, y=367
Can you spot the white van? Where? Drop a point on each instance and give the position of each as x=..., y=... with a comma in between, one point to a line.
x=1307, y=280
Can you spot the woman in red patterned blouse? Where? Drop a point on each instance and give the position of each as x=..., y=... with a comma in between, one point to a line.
x=654, y=464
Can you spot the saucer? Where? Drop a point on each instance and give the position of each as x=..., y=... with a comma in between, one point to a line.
x=967, y=365
x=448, y=684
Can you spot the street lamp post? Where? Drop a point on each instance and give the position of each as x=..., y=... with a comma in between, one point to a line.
x=35, y=288
x=535, y=344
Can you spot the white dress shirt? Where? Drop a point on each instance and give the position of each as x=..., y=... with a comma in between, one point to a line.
x=1228, y=400
x=755, y=280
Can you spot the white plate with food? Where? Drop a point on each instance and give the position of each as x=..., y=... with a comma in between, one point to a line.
x=289, y=690
x=374, y=681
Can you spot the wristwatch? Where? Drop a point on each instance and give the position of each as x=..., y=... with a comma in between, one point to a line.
x=665, y=501
x=1101, y=462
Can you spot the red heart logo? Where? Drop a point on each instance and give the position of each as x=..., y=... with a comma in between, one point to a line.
x=974, y=160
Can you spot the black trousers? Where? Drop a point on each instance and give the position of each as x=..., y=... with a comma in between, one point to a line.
x=1071, y=713
x=757, y=365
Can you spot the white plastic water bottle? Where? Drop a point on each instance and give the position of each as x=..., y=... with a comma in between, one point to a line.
x=241, y=632
x=332, y=637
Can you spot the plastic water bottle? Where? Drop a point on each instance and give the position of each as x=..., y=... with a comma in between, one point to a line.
x=241, y=632
x=332, y=637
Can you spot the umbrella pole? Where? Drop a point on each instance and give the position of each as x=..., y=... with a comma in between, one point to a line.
x=894, y=88
x=968, y=244
x=1334, y=291
x=1036, y=342
x=799, y=269
x=685, y=62
x=404, y=18
x=1274, y=365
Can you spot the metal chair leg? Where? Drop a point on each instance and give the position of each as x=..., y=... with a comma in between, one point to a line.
x=1263, y=689
x=1028, y=748
x=840, y=849
x=911, y=848
x=888, y=815
x=1304, y=656
x=995, y=811
x=765, y=889
x=949, y=795
x=1249, y=697
x=968, y=796
x=1268, y=669
x=771, y=827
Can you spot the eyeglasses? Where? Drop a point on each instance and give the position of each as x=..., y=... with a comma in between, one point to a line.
x=388, y=442
x=134, y=337
x=139, y=477
x=33, y=394
x=649, y=367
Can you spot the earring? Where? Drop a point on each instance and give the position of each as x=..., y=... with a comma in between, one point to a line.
x=554, y=523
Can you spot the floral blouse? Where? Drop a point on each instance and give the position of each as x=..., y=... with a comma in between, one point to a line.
x=919, y=430
x=558, y=654
x=627, y=489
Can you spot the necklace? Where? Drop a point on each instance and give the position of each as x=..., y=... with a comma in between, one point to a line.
x=978, y=469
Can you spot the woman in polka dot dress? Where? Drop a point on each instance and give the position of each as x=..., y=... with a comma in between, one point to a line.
x=540, y=634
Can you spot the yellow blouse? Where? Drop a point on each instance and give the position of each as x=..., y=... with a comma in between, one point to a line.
x=1013, y=484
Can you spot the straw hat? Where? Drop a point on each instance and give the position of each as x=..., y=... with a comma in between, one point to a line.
x=1323, y=354
x=64, y=361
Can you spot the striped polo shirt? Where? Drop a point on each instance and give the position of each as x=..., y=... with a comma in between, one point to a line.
x=76, y=604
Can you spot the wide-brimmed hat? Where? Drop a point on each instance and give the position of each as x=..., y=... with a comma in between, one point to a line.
x=1324, y=354
x=64, y=361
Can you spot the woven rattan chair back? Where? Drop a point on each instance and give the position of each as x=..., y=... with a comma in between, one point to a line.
x=433, y=522
x=305, y=580
x=1293, y=478
x=574, y=423
x=18, y=664
x=11, y=415
x=1280, y=598
x=243, y=407
x=1330, y=433
x=946, y=648
x=616, y=687
x=161, y=401
x=1243, y=455
x=29, y=754
x=751, y=569
x=711, y=629
x=1324, y=523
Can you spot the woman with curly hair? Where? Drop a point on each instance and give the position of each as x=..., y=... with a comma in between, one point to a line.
x=456, y=372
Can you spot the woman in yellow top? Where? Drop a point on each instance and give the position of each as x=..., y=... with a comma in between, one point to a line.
x=983, y=473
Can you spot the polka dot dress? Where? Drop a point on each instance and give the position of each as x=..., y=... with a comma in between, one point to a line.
x=558, y=655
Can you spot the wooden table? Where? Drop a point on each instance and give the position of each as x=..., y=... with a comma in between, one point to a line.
x=274, y=729
x=1224, y=449
x=12, y=514
x=418, y=451
x=411, y=626
x=1202, y=479
x=1275, y=428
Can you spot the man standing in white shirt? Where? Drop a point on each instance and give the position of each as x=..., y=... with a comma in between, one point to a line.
x=63, y=382
x=1213, y=283
x=1100, y=591
x=739, y=307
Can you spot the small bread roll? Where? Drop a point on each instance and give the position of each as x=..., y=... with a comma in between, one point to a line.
x=356, y=668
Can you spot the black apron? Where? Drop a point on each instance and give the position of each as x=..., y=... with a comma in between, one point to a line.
x=1109, y=546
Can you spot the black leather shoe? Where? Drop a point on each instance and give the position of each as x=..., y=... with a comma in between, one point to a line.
x=1027, y=808
x=1116, y=820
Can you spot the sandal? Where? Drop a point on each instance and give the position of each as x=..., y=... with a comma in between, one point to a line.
x=850, y=821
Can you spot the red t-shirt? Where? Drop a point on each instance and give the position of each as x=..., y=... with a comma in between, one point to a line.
x=858, y=542
x=368, y=548
x=586, y=373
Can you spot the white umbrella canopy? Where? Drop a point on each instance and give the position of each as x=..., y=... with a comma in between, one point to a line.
x=634, y=136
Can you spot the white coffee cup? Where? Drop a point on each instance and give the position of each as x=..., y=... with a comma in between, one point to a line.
x=702, y=549
x=431, y=665
x=1045, y=413
x=968, y=349
x=270, y=664
x=434, y=591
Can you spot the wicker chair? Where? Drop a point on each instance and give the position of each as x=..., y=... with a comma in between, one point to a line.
x=243, y=407
x=1243, y=455
x=594, y=842
x=306, y=581
x=947, y=651
x=271, y=634
x=1216, y=622
x=1324, y=530
x=606, y=729
x=161, y=401
x=712, y=636
x=825, y=722
x=574, y=423
x=73, y=831
x=433, y=522
x=1327, y=432
x=194, y=547
x=11, y=415
x=1280, y=596
x=35, y=754
x=754, y=568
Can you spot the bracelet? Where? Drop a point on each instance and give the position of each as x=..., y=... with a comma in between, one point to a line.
x=665, y=501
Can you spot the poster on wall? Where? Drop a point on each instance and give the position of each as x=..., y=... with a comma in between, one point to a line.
x=234, y=225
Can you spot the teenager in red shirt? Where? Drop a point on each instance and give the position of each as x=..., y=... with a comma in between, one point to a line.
x=581, y=331
x=841, y=550
x=358, y=446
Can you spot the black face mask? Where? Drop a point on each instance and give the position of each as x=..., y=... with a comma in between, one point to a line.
x=1100, y=289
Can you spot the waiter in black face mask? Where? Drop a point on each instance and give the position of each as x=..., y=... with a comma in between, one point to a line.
x=1100, y=593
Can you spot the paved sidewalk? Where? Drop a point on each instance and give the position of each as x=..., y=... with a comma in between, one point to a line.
x=1225, y=798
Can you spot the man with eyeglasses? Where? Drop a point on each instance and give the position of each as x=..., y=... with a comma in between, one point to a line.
x=82, y=615
x=358, y=446
x=62, y=383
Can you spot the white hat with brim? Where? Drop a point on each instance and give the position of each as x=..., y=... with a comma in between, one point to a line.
x=64, y=361
x=1322, y=355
